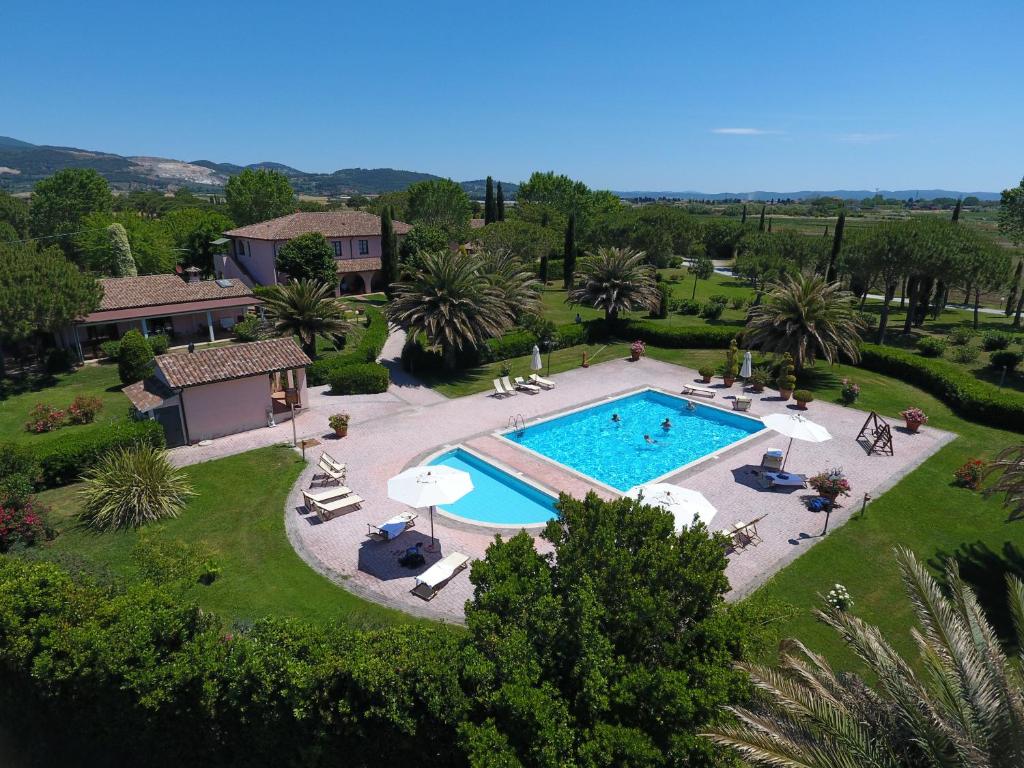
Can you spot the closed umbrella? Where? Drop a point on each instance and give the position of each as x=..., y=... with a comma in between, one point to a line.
x=748, y=365
x=535, y=362
x=428, y=486
x=796, y=427
x=685, y=505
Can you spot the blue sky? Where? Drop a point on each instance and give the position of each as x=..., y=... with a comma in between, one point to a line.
x=670, y=95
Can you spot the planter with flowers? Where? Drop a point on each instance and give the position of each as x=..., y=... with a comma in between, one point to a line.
x=970, y=474
x=914, y=418
x=637, y=350
x=830, y=484
x=759, y=378
x=850, y=392
x=787, y=378
x=339, y=423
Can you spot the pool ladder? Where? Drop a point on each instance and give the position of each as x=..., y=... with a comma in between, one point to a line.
x=518, y=423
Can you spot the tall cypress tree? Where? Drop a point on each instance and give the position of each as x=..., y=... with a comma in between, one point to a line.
x=501, y=203
x=743, y=218
x=760, y=225
x=490, y=212
x=956, y=211
x=388, y=251
x=543, y=272
x=837, y=244
x=569, y=252
x=769, y=225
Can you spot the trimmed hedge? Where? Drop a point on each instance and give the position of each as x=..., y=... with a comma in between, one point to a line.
x=63, y=461
x=680, y=337
x=359, y=379
x=973, y=399
x=366, y=351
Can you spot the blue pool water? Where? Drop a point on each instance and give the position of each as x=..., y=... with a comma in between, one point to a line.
x=497, y=497
x=616, y=454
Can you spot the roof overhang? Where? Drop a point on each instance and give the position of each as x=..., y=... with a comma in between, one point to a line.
x=162, y=310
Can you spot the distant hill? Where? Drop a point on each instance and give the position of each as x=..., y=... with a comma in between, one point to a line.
x=8, y=143
x=477, y=189
x=808, y=194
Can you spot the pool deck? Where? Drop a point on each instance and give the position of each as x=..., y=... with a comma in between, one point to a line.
x=390, y=432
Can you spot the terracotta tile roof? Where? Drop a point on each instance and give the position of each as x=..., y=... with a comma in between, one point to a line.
x=148, y=394
x=233, y=362
x=327, y=223
x=357, y=265
x=150, y=290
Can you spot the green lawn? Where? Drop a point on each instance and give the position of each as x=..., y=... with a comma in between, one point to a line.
x=242, y=523
x=19, y=396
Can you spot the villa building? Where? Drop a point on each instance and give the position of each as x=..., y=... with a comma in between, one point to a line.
x=186, y=309
x=355, y=236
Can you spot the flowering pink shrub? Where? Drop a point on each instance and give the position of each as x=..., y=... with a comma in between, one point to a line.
x=20, y=524
x=970, y=474
x=914, y=416
x=831, y=483
x=83, y=409
x=850, y=392
x=44, y=418
x=638, y=348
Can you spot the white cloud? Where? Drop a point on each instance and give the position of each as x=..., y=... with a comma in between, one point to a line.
x=741, y=131
x=865, y=138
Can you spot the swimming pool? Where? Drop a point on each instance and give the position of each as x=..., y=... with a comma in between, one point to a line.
x=617, y=454
x=497, y=498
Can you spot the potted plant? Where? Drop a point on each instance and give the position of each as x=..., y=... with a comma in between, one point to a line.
x=803, y=397
x=830, y=484
x=637, y=350
x=850, y=392
x=759, y=378
x=730, y=364
x=339, y=423
x=787, y=378
x=706, y=372
x=914, y=418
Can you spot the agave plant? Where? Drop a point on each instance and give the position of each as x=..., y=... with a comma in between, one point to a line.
x=965, y=711
x=129, y=487
x=808, y=318
x=615, y=280
x=1008, y=465
x=306, y=309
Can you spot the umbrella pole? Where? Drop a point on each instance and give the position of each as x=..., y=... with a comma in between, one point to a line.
x=786, y=457
x=431, y=547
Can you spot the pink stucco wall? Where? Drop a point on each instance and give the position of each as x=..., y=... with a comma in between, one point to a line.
x=214, y=410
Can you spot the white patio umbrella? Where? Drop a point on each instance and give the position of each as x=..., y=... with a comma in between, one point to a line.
x=747, y=367
x=796, y=427
x=428, y=486
x=685, y=505
x=535, y=362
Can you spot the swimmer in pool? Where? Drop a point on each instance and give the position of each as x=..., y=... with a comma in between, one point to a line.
x=666, y=425
x=650, y=440
x=616, y=418
x=691, y=406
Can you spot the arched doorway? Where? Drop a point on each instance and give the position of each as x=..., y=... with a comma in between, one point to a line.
x=351, y=283
x=378, y=283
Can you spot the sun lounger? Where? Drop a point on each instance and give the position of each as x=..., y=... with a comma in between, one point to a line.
x=500, y=391
x=781, y=480
x=392, y=528
x=540, y=381
x=508, y=385
x=328, y=509
x=330, y=471
x=533, y=389
x=691, y=390
x=328, y=494
x=338, y=465
x=772, y=460
x=436, y=576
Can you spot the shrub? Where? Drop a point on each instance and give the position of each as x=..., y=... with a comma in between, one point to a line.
x=787, y=377
x=960, y=336
x=971, y=398
x=1005, y=358
x=804, y=396
x=57, y=361
x=929, y=346
x=44, y=418
x=664, y=299
x=965, y=354
x=994, y=340
x=366, y=351
x=21, y=524
x=250, y=329
x=110, y=348
x=359, y=379
x=759, y=377
x=687, y=307
x=134, y=358
x=62, y=461
x=731, y=365
x=680, y=337
x=129, y=487
x=159, y=343
x=83, y=409
x=718, y=298
x=850, y=392
x=707, y=371
x=970, y=474
x=738, y=302
x=19, y=467
x=712, y=310
x=838, y=598
x=338, y=420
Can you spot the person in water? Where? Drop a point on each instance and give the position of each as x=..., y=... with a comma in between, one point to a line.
x=616, y=418
x=691, y=406
x=650, y=440
x=666, y=425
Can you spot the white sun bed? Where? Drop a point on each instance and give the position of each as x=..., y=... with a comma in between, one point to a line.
x=691, y=390
x=328, y=494
x=782, y=480
x=436, y=576
x=499, y=390
x=392, y=528
x=540, y=381
x=508, y=385
x=533, y=389
x=330, y=469
x=328, y=509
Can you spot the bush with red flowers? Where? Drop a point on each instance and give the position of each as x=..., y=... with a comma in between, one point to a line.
x=970, y=474
x=21, y=524
x=83, y=409
x=44, y=418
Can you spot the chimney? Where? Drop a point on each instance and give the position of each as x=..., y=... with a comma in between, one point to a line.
x=192, y=275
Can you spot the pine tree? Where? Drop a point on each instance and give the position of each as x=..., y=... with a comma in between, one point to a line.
x=760, y=225
x=121, y=261
x=501, y=203
x=837, y=244
x=388, y=250
x=490, y=212
x=569, y=252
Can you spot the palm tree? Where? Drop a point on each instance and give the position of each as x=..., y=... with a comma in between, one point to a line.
x=306, y=309
x=1009, y=466
x=806, y=317
x=966, y=711
x=452, y=302
x=518, y=286
x=615, y=280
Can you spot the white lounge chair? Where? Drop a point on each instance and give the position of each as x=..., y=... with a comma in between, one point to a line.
x=781, y=480
x=328, y=494
x=330, y=471
x=540, y=381
x=688, y=389
x=436, y=576
x=533, y=389
x=327, y=509
x=392, y=528
x=499, y=390
x=508, y=385
x=338, y=465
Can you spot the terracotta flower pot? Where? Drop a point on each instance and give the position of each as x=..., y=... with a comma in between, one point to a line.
x=706, y=379
x=341, y=431
x=634, y=356
x=801, y=405
x=729, y=382
x=912, y=426
x=785, y=394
